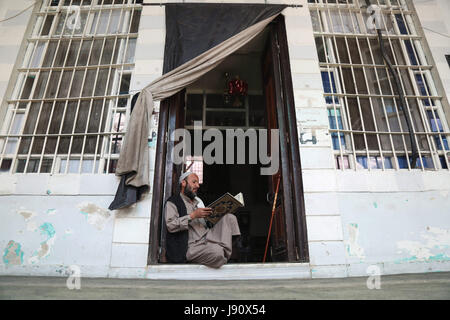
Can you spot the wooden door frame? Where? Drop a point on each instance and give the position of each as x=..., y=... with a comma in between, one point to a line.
x=290, y=157
x=295, y=168
x=164, y=181
x=273, y=50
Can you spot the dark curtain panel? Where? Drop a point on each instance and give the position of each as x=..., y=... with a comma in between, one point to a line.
x=192, y=29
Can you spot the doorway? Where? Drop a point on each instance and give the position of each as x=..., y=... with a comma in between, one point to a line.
x=207, y=101
x=254, y=217
x=265, y=106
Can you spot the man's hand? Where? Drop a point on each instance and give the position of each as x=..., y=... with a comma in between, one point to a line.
x=200, y=213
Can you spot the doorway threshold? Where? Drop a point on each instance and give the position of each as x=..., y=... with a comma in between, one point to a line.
x=238, y=271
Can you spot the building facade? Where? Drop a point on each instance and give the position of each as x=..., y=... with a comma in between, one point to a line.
x=70, y=69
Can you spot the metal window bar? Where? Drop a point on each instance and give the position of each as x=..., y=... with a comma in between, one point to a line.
x=52, y=77
x=397, y=111
x=330, y=57
x=121, y=56
x=397, y=64
x=92, y=100
x=15, y=109
x=389, y=71
x=422, y=118
x=420, y=60
x=59, y=85
x=45, y=94
x=430, y=87
x=403, y=102
x=336, y=55
x=57, y=160
x=339, y=61
x=392, y=34
x=383, y=103
x=117, y=82
x=380, y=99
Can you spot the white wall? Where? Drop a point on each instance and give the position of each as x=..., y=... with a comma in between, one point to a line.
x=398, y=221
x=49, y=222
x=433, y=16
x=12, y=34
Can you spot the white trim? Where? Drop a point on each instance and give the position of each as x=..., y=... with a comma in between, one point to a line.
x=248, y=271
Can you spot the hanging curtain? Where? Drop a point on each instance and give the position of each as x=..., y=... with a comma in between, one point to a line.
x=192, y=29
x=133, y=164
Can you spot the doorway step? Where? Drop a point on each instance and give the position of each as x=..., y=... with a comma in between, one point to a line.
x=247, y=271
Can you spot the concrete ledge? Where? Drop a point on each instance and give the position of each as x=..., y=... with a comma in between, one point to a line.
x=53, y=270
x=248, y=271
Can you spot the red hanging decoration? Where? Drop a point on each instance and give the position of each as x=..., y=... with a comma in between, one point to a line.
x=237, y=87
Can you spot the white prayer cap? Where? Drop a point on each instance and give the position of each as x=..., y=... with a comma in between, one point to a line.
x=184, y=176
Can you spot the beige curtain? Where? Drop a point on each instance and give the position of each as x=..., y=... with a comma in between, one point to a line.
x=134, y=155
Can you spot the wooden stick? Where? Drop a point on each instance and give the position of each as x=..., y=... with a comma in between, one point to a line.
x=271, y=219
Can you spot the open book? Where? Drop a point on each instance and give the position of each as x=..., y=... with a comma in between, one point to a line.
x=225, y=204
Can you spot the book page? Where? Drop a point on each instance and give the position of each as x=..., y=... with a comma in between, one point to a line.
x=225, y=204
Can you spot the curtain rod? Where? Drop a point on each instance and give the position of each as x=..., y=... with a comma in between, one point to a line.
x=164, y=3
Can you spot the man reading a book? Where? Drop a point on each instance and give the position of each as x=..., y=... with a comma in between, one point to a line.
x=189, y=238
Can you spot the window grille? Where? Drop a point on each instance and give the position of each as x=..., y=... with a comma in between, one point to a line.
x=368, y=128
x=68, y=110
x=195, y=165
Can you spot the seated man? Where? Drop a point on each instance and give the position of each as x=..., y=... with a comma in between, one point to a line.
x=189, y=239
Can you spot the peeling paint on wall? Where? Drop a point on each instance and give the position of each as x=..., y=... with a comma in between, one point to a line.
x=94, y=214
x=49, y=232
x=51, y=212
x=435, y=239
x=27, y=215
x=13, y=254
x=353, y=248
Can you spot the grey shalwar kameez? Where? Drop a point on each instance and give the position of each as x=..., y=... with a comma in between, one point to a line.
x=210, y=247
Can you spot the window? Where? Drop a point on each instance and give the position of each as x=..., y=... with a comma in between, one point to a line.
x=68, y=110
x=195, y=165
x=367, y=126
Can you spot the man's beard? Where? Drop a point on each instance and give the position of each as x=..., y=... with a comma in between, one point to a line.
x=188, y=192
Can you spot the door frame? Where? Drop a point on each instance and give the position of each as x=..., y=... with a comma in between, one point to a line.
x=295, y=168
x=163, y=182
